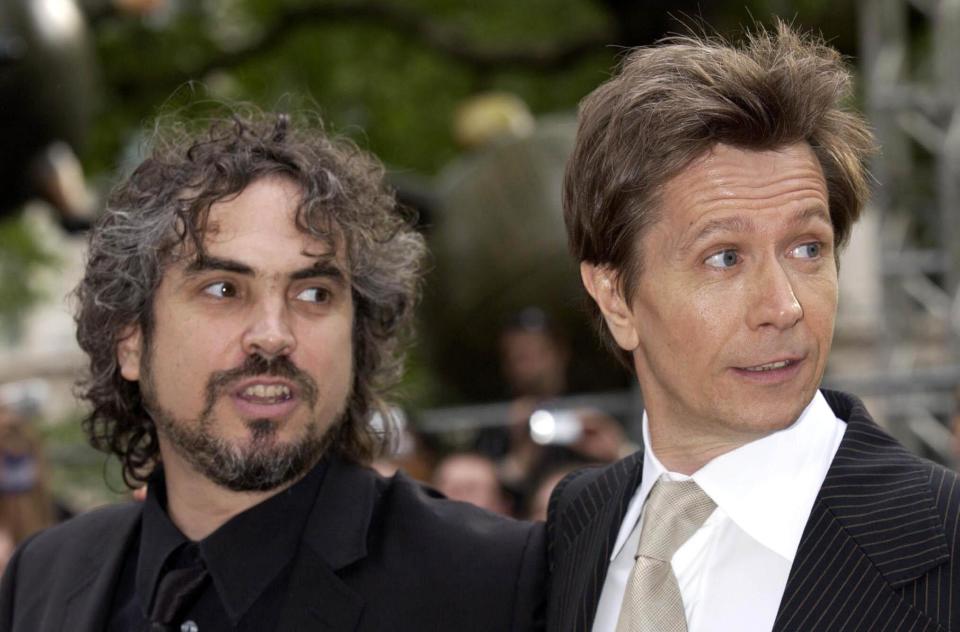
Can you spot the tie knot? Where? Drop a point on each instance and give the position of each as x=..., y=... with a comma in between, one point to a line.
x=179, y=587
x=674, y=511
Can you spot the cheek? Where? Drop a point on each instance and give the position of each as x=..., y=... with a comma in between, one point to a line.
x=709, y=317
x=819, y=301
x=328, y=357
x=187, y=350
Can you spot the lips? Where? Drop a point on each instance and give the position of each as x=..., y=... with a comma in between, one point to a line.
x=265, y=397
x=769, y=366
x=770, y=372
x=266, y=392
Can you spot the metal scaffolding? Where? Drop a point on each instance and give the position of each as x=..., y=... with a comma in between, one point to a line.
x=910, y=58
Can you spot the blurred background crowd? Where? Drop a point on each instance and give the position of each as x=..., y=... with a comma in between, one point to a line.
x=472, y=107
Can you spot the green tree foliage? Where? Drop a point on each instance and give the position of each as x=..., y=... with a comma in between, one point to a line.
x=393, y=71
x=21, y=257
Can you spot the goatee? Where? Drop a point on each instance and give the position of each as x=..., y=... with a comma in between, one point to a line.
x=263, y=463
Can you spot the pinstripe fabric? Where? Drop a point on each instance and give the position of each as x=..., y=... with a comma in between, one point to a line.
x=586, y=510
x=879, y=551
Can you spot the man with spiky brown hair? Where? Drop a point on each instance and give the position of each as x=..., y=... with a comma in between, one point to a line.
x=708, y=196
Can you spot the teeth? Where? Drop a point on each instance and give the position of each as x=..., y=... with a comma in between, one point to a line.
x=769, y=367
x=263, y=391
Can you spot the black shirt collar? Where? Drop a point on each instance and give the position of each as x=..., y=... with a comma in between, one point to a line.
x=243, y=556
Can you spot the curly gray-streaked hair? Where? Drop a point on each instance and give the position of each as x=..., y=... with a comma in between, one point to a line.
x=163, y=206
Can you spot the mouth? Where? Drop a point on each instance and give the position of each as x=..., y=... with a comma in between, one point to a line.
x=266, y=393
x=772, y=372
x=770, y=366
x=265, y=398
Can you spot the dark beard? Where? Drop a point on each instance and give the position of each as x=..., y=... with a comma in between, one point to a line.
x=261, y=465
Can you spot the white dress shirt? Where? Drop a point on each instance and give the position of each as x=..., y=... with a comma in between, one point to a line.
x=733, y=570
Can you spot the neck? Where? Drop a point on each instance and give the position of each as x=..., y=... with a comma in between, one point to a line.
x=683, y=451
x=198, y=506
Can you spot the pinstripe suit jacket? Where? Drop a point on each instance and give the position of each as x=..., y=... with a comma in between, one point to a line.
x=879, y=551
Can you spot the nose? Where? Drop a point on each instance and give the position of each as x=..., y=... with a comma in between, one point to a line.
x=269, y=332
x=775, y=302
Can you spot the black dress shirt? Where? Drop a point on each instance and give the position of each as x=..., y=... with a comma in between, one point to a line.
x=248, y=558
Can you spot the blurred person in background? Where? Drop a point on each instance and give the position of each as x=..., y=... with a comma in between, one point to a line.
x=534, y=360
x=242, y=303
x=534, y=357
x=471, y=478
x=26, y=505
x=710, y=191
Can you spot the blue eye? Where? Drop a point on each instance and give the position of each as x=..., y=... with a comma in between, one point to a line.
x=221, y=289
x=808, y=251
x=723, y=259
x=314, y=295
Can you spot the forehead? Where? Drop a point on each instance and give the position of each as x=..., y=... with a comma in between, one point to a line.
x=260, y=223
x=732, y=180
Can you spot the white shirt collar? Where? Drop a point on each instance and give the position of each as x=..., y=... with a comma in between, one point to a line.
x=766, y=487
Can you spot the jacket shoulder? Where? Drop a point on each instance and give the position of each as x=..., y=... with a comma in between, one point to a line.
x=80, y=536
x=584, y=493
x=416, y=510
x=52, y=564
x=488, y=570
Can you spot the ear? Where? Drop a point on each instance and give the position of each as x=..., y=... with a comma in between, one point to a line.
x=602, y=284
x=129, y=351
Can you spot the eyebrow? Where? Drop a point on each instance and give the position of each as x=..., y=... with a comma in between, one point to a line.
x=744, y=224
x=207, y=263
x=320, y=269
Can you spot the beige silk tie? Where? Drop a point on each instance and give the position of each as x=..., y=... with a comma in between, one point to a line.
x=673, y=512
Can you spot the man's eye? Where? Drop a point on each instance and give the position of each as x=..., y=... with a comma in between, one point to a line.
x=808, y=251
x=221, y=289
x=314, y=295
x=723, y=259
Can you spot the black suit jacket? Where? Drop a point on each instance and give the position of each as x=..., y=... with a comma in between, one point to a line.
x=377, y=555
x=880, y=550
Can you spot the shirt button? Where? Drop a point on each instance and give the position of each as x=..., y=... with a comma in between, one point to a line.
x=189, y=626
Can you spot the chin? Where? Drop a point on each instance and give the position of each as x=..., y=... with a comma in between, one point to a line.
x=263, y=431
x=777, y=416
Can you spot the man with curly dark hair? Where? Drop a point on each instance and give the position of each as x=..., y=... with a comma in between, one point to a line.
x=244, y=297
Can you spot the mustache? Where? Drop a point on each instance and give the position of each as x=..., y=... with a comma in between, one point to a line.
x=256, y=365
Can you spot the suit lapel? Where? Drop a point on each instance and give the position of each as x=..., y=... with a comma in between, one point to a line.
x=86, y=607
x=589, y=531
x=335, y=537
x=317, y=600
x=873, y=528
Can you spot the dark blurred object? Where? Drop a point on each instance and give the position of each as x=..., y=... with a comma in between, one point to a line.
x=499, y=245
x=46, y=97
